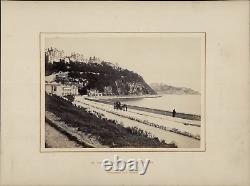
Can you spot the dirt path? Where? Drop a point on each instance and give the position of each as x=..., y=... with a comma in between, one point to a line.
x=56, y=139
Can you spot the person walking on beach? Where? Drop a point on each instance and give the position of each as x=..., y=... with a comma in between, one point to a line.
x=174, y=112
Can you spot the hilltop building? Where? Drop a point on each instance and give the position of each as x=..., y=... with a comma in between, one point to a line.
x=76, y=57
x=53, y=55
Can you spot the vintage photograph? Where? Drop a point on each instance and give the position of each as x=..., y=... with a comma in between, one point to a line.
x=122, y=90
x=125, y=93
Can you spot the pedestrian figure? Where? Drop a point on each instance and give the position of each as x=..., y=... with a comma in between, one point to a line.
x=174, y=112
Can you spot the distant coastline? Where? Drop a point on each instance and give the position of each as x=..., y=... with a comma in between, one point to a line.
x=162, y=88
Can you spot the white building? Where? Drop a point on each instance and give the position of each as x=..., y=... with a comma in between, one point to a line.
x=61, y=90
x=62, y=74
x=94, y=92
x=52, y=77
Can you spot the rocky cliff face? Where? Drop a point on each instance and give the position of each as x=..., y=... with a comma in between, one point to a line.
x=124, y=87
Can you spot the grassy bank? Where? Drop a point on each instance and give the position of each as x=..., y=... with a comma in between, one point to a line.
x=155, y=111
x=108, y=132
x=67, y=135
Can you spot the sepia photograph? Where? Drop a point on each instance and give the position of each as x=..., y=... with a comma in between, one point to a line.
x=107, y=91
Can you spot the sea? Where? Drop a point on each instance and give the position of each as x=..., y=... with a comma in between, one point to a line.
x=189, y=104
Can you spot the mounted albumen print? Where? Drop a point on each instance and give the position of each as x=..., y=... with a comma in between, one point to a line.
x=122, y=91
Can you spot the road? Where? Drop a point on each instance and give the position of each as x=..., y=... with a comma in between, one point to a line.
x=135, y=118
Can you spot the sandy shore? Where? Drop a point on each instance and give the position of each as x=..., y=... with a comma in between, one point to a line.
x=185, y=133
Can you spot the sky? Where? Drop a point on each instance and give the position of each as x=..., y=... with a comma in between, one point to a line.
x=175, y=61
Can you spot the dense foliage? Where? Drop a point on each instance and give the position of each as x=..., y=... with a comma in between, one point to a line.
x=101, y=75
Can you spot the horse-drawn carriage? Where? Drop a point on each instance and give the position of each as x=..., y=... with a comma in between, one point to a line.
x=119, y=106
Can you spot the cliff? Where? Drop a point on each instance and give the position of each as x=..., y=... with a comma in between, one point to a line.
x=106, y=77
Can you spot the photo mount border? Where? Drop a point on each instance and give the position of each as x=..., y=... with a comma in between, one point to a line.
x=42, y=148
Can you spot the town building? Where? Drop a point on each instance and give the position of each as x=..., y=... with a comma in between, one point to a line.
x=61, y=74
x=60, y=89
x=93, y=93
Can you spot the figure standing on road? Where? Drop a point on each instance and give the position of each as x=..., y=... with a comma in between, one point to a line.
x=174, y=112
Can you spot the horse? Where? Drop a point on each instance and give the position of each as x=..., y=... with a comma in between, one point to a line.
x=124, y=107
x=119, y=106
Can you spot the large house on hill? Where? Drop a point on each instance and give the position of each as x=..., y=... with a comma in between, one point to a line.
x=53, y=55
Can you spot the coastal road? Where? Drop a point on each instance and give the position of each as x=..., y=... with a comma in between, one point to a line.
x=135, y=118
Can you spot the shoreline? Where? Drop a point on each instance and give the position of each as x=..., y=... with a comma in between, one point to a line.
x=151, y=110
x=125, y=97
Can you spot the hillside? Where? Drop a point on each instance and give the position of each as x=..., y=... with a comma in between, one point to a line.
x=167, y=89
x=103, y=76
